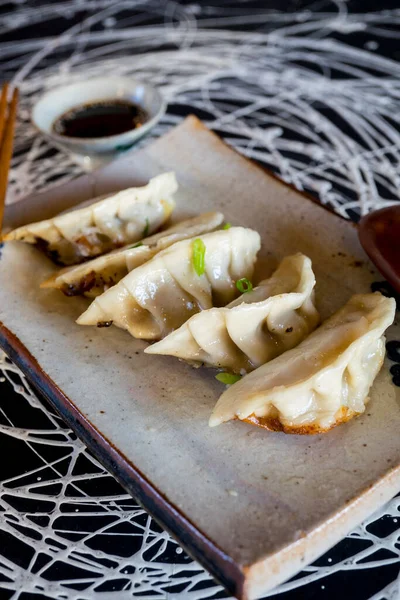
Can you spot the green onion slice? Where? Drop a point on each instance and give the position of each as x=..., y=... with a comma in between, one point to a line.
x=146, y=229
x=135, y=246
x=244, y=285
x=227, y=226
x=198, y=256
x=227, y=378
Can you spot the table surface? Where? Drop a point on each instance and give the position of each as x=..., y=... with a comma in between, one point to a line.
x=312, y=92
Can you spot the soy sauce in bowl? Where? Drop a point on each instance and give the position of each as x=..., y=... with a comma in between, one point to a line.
x=100, y=119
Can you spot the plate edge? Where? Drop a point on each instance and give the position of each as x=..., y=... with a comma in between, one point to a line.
x=240, y=581
x=312, y=544
x=266, y=171
x=194, y=541
x=89, y=179
x=246, y=582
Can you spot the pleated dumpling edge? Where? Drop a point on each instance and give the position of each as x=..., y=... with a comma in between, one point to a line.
x=95, y=276
x=253, y=329
x=157, y=297
x=121, y=218
x=322, y=382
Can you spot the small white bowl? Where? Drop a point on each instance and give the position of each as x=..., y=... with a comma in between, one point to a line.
x=93, y=152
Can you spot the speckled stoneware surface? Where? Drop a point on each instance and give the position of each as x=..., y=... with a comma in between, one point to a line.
x=253, y=506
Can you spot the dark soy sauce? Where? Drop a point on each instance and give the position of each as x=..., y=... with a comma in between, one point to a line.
x=100, y=119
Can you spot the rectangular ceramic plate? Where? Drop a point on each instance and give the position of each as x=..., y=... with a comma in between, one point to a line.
x=252, y=506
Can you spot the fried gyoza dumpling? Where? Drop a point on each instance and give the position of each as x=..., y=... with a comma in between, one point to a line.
x=156, y=298
x=120, y=219
x=255, y=328
x=95, y=276
x=322, y=382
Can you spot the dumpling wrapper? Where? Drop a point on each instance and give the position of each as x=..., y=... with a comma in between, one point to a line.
x=156, y=298
x=253, y=329
x=114, y=221
x=95, y=276
x=322, y=382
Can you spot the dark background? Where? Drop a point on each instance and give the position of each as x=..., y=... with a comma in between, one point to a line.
x=21, y=458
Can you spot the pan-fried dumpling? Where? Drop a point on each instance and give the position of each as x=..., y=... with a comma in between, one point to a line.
x=254, y=328
x=95, y=276
x=322, y=382
x=123, y=218
x=156, y=298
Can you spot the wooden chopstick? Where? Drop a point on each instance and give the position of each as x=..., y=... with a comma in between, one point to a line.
x=7, y=123
x=3, y=110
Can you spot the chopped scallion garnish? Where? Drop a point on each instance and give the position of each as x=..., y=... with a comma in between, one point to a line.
x=244, y=285
x=198, y=256
x=146, y=229
x=227, y=226
x=135, y=246
x=227, y=378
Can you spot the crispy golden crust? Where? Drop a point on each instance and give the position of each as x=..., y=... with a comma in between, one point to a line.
x=343, y=415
